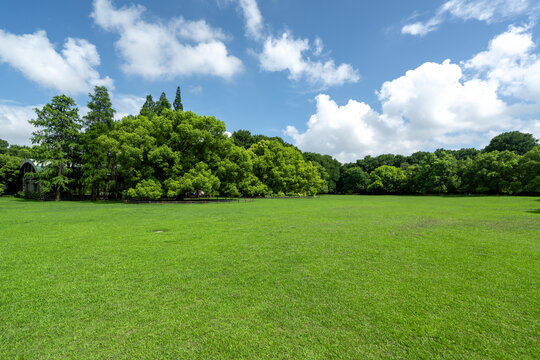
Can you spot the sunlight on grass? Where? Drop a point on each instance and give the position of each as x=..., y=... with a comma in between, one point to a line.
x=335, y=277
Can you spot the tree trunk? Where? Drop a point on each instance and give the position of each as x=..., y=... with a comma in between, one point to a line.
x=58, y=187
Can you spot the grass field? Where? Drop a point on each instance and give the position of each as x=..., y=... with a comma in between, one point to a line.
x=349, y=277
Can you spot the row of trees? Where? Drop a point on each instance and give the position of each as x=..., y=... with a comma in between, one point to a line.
x=164, y=152
x=495, y=172
x=160, y=153
x=510, y=164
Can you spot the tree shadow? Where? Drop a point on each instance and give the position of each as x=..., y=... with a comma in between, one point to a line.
x=534, y=211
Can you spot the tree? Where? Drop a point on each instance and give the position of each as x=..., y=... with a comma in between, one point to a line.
x=162, y=104
x=283, y=169
x=387, y=179
x=464, y=153
x=437, y=173
x=58, y=134
x=494, y=173
x=100, y=118
x=23, y=151
x=149, y=107
x=9, y=172
x=95, y=158
x=515, y=141
x=331, y=167
x=178, y=100
x=529, y=171
x=146, y=189
x=354, y=180
x=243, y=138
x=198, y=178
x=3, y=146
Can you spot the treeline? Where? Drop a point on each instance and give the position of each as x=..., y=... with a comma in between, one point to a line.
x=510, y=164
x=160, y=153
x=164, y=152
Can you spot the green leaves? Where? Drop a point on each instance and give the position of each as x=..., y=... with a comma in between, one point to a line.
x=58, y=136
x=283, y=169
x=178, y=101
x=515, y=141
x=146, y=189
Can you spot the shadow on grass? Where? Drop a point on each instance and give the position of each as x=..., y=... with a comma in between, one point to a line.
x=97, y=202
x=535, y=211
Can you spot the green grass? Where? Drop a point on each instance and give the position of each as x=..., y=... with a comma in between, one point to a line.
x=348, y=277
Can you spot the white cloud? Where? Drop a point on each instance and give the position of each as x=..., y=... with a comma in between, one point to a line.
x=72, y=71
x=510, y=62
x=14, y=126
x=434, y=105
x=157, y=50
x=125, y=105
x=253, y=17
x=346, y=132
x=482, y=10
x=195, y=89
x=287, y=54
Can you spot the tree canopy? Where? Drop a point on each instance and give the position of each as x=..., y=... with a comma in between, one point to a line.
x=515, y=141
x=164, y=153
x=58, y=137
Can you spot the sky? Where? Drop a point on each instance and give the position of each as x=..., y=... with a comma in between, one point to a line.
x=347, y=78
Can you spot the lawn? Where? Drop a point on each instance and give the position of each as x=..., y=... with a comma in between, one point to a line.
x=351, y=277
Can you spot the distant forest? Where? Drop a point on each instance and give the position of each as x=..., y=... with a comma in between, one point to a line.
x=165, y=152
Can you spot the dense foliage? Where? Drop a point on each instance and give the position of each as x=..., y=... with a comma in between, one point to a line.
x=59, y=138
x=165, y=152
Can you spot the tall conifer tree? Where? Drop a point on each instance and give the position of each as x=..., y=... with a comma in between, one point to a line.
x=162, y=104
x=99, y=121
x=178, y=100
x=58, y=136
x=149, y=107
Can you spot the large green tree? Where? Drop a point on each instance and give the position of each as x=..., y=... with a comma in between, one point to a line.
x=178, y=150
x=437, y=173
x=97, y=172
x=387, y=179
x=58, y=137
x=354, y=180
x=4, y=145
x=283, y=169
x=494, y=172
x=330, y=168
x=515, y=141
x=9, y=173
x=529, y=171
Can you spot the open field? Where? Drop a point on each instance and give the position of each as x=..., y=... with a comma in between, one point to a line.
x=347, y=277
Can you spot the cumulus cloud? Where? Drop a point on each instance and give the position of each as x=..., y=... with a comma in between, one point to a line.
x=510, y=62
x=14, y=126
x=434, y=105
x=253, y=17
x=286, y=53
x=346, y=132
x=482, y=10
x=71, y=71
x=156, y=50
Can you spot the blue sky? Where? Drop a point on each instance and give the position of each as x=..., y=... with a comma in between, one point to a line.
x=346, y=78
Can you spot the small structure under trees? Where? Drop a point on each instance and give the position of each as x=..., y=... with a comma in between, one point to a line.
x=29, y=170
